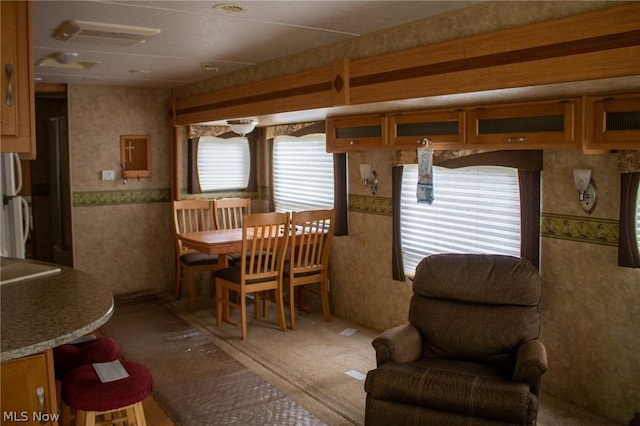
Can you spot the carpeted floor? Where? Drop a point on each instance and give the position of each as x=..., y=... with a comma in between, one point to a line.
x=196, y=381
x=313, y=375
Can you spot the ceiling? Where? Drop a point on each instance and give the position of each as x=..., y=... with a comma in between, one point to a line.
x=192, y=33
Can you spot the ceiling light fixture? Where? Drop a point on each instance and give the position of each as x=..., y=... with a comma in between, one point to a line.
x=66, y=60
x=208, y=66
x=229, y=8
x=243, y=126
x=139, y=71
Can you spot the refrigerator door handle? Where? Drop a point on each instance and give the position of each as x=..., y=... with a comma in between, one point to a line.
x=25, y=220
x=17, y=173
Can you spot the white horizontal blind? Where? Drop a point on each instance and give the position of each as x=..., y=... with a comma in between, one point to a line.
x=223, y=164
x=638, y=217
x=302, y=173
x=475, y=210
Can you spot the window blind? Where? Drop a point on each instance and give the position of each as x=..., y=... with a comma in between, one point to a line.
x=223, y=164
x=638, y=216
x=475, y=210
x=302, y=173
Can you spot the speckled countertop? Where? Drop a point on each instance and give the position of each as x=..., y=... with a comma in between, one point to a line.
x=40, y=313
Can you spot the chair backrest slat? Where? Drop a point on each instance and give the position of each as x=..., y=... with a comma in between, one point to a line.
x=311, y=235
x=264, y=243
x=229, y=212
x=192, y=216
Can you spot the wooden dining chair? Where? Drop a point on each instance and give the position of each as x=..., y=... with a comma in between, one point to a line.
x=229, y=212
x=264, y=243
x=310, y=244
x=190, y=216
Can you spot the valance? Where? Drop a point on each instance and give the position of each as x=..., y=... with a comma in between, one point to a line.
x=194, y=131
x=197, y=131
x=629, y=161
x=286, y=129
x=398, y=158
x=520, y=159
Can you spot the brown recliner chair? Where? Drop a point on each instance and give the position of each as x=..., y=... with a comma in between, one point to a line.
x=470, y=353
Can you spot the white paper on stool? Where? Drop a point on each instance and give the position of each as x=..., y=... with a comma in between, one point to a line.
x=110, y=371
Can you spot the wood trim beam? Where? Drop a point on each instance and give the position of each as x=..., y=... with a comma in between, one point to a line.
x=549, y=51
x=583, y=47
x=318, y=88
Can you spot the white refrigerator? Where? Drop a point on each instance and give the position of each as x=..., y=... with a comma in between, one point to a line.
x=16, y=218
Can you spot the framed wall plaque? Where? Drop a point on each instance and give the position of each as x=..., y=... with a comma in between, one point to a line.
x=135, y=156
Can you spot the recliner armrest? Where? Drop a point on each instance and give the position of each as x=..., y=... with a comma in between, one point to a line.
x=531, y=364
x=400, y=344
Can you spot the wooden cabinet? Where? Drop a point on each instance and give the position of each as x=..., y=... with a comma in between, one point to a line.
x=29, y=391
x=357, y=133
x=526, y=126
x=613, y=122
x=17, y=94
x=445, y=129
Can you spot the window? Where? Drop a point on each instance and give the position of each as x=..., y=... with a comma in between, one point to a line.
x=303, y=176
x=223, y=164
x=638, y=217
x=475, y=210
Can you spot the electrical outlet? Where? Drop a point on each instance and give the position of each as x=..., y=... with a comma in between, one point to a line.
x=108, y=175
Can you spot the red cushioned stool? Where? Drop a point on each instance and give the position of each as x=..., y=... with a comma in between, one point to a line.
x=72, y=355
x=116, y=401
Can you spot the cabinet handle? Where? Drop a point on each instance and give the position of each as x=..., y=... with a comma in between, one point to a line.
x=520, y=139
x=40, y=393
x=354, y=143
x=9, y=69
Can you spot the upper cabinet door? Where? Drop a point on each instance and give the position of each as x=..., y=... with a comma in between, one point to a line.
x=613, y=122
x=17, y=94
x=526, y=126
x=357, y=133
x=444, y=129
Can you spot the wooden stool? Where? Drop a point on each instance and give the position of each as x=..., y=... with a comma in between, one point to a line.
x=114, y=402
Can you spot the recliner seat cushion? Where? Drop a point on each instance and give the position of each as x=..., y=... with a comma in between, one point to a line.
x=454, y=386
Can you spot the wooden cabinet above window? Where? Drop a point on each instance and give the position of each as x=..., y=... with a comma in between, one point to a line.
x=445, y=129
x=613, y=122
x=529, y=126
x=357, y=133
x=534, y=125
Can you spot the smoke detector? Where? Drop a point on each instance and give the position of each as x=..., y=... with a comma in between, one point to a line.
x=102, y=33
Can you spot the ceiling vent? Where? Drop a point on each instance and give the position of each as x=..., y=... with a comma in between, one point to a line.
x=101, y=33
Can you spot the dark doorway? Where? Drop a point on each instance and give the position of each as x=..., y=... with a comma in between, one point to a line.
x=50, y=182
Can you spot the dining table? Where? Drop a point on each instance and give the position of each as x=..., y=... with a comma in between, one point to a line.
x=216, y=241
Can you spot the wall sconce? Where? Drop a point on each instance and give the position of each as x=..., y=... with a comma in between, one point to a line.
x=369, y=178
x=242, y=127
x=585, y=188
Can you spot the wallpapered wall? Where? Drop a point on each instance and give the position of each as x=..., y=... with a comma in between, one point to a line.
x=590, y=310
x=590, y=314
x=121, y=233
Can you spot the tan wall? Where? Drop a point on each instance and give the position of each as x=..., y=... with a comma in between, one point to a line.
x=590, y=310
x=122, y=233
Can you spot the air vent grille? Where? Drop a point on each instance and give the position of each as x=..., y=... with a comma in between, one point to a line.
x=101, y=33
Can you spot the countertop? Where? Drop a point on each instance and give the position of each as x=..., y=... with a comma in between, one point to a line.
x=40, y=313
